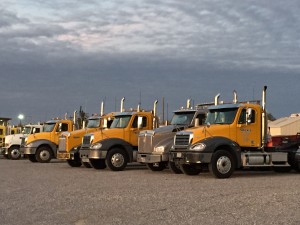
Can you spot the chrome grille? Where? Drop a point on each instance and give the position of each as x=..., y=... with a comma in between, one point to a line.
x=86, y=140
x=62, y=142
x=182, y=140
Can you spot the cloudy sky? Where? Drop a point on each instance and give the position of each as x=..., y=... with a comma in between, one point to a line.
x=61, y=54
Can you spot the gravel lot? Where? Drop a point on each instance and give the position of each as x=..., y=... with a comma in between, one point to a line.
x=54, y=193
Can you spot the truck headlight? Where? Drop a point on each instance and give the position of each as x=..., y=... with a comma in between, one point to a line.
x=159, y=149
x=198, y=147
x=96, y=146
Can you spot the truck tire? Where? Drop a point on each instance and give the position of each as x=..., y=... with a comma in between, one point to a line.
x=32, y=158
x=98, y=164
x=222, y=164
x=14, y=153
x=175, y=167
x=190, y=169
x=44, y=154
x=74, y=163
x=116, y=159
x=156, y=166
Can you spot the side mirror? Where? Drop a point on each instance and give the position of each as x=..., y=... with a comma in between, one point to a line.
x=140, y=122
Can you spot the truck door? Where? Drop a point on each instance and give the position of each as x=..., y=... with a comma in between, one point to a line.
x=135, y=130
x=61, y=127
x=248, y=129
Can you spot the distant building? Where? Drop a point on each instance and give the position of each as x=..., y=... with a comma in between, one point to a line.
x=285, y=125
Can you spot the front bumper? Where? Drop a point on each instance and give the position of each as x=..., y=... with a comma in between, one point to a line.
x=152, y=158
x=190, y=157
x=3, y=151
x=28, y=150
x=92, y=154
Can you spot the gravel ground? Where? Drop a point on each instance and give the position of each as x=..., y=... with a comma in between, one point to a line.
x=54, y=193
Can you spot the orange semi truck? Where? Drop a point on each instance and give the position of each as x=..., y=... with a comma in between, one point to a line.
x=70, y=142
x=234, y=136
x=117, y=146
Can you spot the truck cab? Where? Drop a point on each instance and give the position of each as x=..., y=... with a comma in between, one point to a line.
x=11, y=149
x=69, y=142
x=234, y=136
x=42, y=147
x=117, y=146
x=154, y=145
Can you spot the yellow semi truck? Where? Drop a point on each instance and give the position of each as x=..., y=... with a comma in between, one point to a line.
x=234, y=136
x=117, y=146
x=69, y=142
x=42, y=147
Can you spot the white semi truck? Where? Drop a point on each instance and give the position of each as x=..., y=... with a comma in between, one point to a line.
x=11, y=149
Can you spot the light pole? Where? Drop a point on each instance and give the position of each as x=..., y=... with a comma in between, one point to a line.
x=21, y=117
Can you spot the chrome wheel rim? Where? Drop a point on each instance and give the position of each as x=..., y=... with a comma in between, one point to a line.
x=44, y=155
x=224, y=164
x=117, y=160
x=15, y=153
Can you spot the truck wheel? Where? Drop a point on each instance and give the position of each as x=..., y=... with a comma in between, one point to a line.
x=175, y=167
x=116, y=159
x=98, y=164
x=74, y=163
x=222, y=164
x=44, y=154
x=32, y=158
x=14, y=153
x=190, y=169
x=156, y=166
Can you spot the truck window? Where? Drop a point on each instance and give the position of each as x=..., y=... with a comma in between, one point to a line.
x=62, y=127
x=120, y=121
x=201, y=118
x=243, y=117
x=135, y=122
x=221, y=116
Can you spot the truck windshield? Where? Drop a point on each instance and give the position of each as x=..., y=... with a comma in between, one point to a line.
x=221, y=116
x=182, y=118
x=93, y=123
x=120, y=121
x=27, y=130
x=48, y=127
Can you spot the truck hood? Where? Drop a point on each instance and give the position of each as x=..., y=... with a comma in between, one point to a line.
x=108, y=133
x=42, y=135
x=164, y=130
x=14, y=138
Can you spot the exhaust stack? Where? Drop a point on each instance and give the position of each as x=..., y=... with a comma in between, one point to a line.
x=188, y=103
x=154, y=114
x=74, y=120
x=138, y=108
x=264, y=126
x=122, y=104
x=235, y=97
x=217, y=99
x=102, y=109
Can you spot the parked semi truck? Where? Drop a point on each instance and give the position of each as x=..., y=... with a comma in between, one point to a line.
x=154, y=145
x=69, y=142
x=42, y=147
x=234, y=136
x=11, y=149
x=117, y=146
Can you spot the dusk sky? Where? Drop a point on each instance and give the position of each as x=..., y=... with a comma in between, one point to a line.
x=61, y=54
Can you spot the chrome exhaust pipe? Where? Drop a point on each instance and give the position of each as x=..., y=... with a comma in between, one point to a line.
x=154, y=114
x=74, y=120
x=235, y=97
x=122, y=104
x=217, y=99
x=102, y=109
x=188, y=103
x=264, y=126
